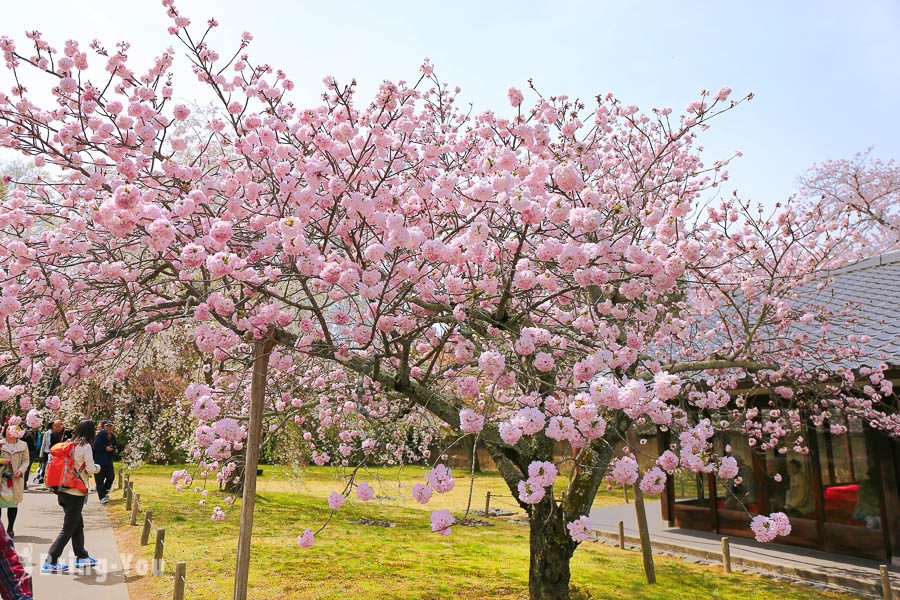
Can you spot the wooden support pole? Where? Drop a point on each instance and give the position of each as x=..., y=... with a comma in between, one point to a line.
x=886, y=591
x=487, y=504
x=128, y=497
x=135, y=507
x=180, y=572
x=726, y=555
x=621, y=535
x=625, y=489
x=119, y=481
x=148, y=523
x=641, y=514
x=261, y=351
x=158, y=566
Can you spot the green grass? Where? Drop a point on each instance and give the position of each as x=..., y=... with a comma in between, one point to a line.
x=406, y=561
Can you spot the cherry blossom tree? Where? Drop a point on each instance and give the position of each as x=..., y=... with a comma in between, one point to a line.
x=862, y=189
x=557, y=271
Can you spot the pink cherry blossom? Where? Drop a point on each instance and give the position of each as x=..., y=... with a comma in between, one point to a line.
x=306, y=539
x=365, y=492
x=440, y=479
x=580, y=529
x=336, y=500
x=470, y=421
x=442, y=521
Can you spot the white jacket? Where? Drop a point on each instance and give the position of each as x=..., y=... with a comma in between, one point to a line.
x=83, y=456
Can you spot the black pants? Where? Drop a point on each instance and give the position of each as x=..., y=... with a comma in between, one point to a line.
x=39, y=476
x=11, y=514
x=28, y=471
x=72, y=529
x=104, y=480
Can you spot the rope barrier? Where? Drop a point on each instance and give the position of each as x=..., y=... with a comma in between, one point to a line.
x=182, y=584
x=133, y=502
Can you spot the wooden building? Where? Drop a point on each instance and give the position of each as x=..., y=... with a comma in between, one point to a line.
x=843, y=495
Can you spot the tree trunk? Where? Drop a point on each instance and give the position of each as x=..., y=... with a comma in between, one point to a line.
x=234, y=484
x=473, y=444
x=551, y=551
x=550, y=545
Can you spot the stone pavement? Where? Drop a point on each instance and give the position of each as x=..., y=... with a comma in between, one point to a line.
x=836, y=571
x=38, y=523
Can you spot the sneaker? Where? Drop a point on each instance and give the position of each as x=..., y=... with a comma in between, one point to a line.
x=104, y=500
x=54, y=568
x=87, y=561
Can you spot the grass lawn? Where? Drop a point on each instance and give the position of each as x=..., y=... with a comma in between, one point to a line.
x=369, y=562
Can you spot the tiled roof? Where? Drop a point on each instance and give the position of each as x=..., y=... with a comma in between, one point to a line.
x=870, y=289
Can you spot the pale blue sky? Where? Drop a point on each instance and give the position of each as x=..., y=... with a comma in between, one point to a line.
x=824, y=72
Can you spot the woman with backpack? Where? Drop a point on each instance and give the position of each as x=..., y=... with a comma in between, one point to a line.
x=71, y=495
x=13, y=462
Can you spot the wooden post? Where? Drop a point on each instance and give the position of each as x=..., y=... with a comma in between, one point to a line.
x=726, y=555
x=119, y=481
x=180, y=568
x=158, y=552
x=128, y=496
x=625, y=489
x=261, y=350
x=126, y=484
x=135, y=507
x=487, y=505
x=641, y=514
x=148, y=523
x=886, y=591
x=621, y=535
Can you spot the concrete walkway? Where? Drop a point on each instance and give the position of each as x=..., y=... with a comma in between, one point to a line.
x=834, y=570
x=38, y=523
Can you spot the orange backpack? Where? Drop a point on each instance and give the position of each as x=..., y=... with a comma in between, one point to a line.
x=61, y=471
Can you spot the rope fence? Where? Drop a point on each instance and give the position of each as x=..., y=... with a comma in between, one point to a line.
x=181, y=583
x=133, y=507
x=726, y=559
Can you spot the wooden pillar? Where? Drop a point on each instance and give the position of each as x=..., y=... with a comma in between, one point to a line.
x=829, y=454
x=261, y=351
x=180, y=574
x=667, y=501
x=148, y=525
x=815, y=480
x=135, y=507
x=885, y=457
x=887, y=591
x=849, y=437
x=713, y=500
x=158, y=566
x=726, y=554
x=760, y=481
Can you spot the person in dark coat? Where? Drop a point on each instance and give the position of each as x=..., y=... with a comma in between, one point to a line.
x=105, y=446
x=51, y=437
x=32, y=439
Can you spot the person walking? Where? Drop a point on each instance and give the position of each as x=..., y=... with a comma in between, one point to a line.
x=51, y=437
x=32, y=439
x=15, y=582
x=105, y=447
x=72, y=499
x=13, y=462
